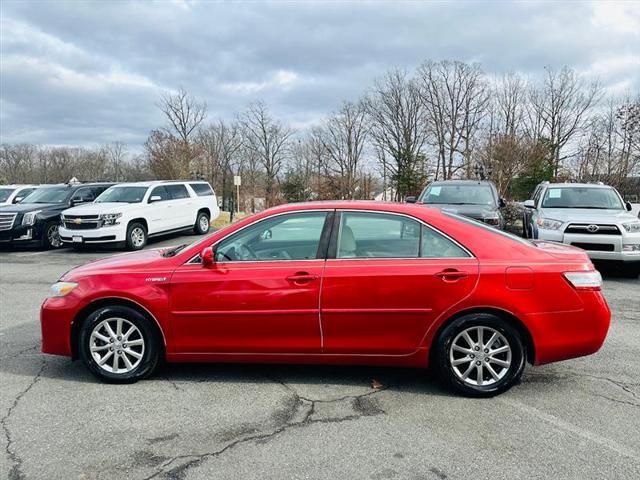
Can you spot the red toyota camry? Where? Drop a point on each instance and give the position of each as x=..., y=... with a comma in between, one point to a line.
x=340, y=283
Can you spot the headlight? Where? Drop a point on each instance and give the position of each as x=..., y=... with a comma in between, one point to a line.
x=61, y=289
x=110, y=218
x=632, y=227
x=548, y=224
x=30, y=217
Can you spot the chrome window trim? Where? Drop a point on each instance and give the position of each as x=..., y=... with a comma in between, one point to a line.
x=422, y=222
x=195, y=260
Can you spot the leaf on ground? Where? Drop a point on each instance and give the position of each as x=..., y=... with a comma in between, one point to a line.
x=376, y=385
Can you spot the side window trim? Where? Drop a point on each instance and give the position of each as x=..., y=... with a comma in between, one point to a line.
x=333, y=244
x=325, y=236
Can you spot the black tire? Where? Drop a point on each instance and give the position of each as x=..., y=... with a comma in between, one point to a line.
x=47, y=241
x=150, y=351
x=509, y=376
x=200, y=228
x=631, y=271
x=134, y=230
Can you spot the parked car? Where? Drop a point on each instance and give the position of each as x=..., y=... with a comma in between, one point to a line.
x=593, y=217
x=471, y=198
x=338, y=283
x=35, y=220
x=130, y=213
x=11, y=194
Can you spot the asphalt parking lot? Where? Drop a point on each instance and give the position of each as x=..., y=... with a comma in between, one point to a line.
x=574, y=419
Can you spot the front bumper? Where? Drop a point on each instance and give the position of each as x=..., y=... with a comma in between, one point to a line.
x=22, y=235
x=56, y=317
x=91, y=236
x=598, y=247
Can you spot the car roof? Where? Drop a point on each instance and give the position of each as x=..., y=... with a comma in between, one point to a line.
x=413, y=209
x=462, y=182
x=18, y=185
x=577, y=185
x=151, y=183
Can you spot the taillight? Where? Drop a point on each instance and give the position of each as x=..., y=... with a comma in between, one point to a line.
x=590, y=280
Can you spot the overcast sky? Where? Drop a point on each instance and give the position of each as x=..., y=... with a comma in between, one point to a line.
x=77, y=73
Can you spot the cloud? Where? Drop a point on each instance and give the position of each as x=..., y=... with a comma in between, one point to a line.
x=87, y=72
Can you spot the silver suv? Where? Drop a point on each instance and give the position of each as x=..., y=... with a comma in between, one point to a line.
x=593, y=217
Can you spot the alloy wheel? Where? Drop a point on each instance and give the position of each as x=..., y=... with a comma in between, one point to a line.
x=480, y=356
x=116, y=345
x=204, y=224
x=53, y=236
x=137, y=237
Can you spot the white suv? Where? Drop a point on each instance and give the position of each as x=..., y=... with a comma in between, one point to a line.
x=591, y=216
x=129, y=213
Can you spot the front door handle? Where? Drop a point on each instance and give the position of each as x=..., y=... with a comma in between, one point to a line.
x=451, y=275
x=302, y=278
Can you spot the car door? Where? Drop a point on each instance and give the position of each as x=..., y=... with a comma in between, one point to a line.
x=261, y=295
x=181, y=207
x=388, y=277
x=159, y=210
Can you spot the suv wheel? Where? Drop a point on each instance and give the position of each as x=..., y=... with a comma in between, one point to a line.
x=202, y=224
x=479, y=355
x=118, y=345
x=50, y=236
x=136, y=236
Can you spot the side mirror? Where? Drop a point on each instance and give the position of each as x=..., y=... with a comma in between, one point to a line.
x=410, y=199
x=502, y=203
x=19, y=199
x=76, y=201
x=155, y=198
x=208, y=256
x=628, y=206
x=529, y=204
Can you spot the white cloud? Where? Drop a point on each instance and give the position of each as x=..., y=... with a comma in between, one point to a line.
x=281, y=79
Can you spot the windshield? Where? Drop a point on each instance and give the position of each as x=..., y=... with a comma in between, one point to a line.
x=582, y=197
x=122, y=194
x=459, y=195
x=48, y=195
x=4, y=193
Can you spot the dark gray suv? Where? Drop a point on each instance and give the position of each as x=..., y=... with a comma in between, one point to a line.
x=472, y=198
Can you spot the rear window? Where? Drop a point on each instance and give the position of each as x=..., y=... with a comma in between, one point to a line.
x=202, y=189
x=486, y=227
x=177, y=191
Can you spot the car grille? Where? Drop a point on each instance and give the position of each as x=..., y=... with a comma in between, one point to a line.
x=595, y=247
x=590, y=229
x=6, y=220
x=82, y=222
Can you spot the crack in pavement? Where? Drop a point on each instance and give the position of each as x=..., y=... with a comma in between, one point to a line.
x=287, y=420
x=16, y=470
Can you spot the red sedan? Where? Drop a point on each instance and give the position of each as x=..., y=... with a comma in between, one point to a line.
x=340, y=283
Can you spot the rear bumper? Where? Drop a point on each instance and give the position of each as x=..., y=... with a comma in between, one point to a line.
x=563, y=335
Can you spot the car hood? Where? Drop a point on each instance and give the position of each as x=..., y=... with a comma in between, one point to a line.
x=144, y=259
x=99, y=208
x=587, y=215
x=31, y=207
x=473, y=211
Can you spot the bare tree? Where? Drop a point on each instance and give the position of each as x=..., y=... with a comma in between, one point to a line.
x=455, y=96
x=396, y=113
x=343, y=136
x=559, y=109
x=184, y=114
x=221, y=142
x=268, y=140
x=115, y=156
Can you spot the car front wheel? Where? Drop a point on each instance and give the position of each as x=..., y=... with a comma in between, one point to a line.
x=136, y=236
x=118, y=345
x=50, y=236
x=479, y=355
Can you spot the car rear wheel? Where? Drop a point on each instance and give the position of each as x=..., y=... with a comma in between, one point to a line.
x=136, y=236
x=118, y=345
x=479, y=355
x=50, y=236
x=202, y=224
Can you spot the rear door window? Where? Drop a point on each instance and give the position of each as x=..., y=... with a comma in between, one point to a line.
x=177, y=192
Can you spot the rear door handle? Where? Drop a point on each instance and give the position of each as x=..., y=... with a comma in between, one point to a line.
x=451, y=275
x=302, y=278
